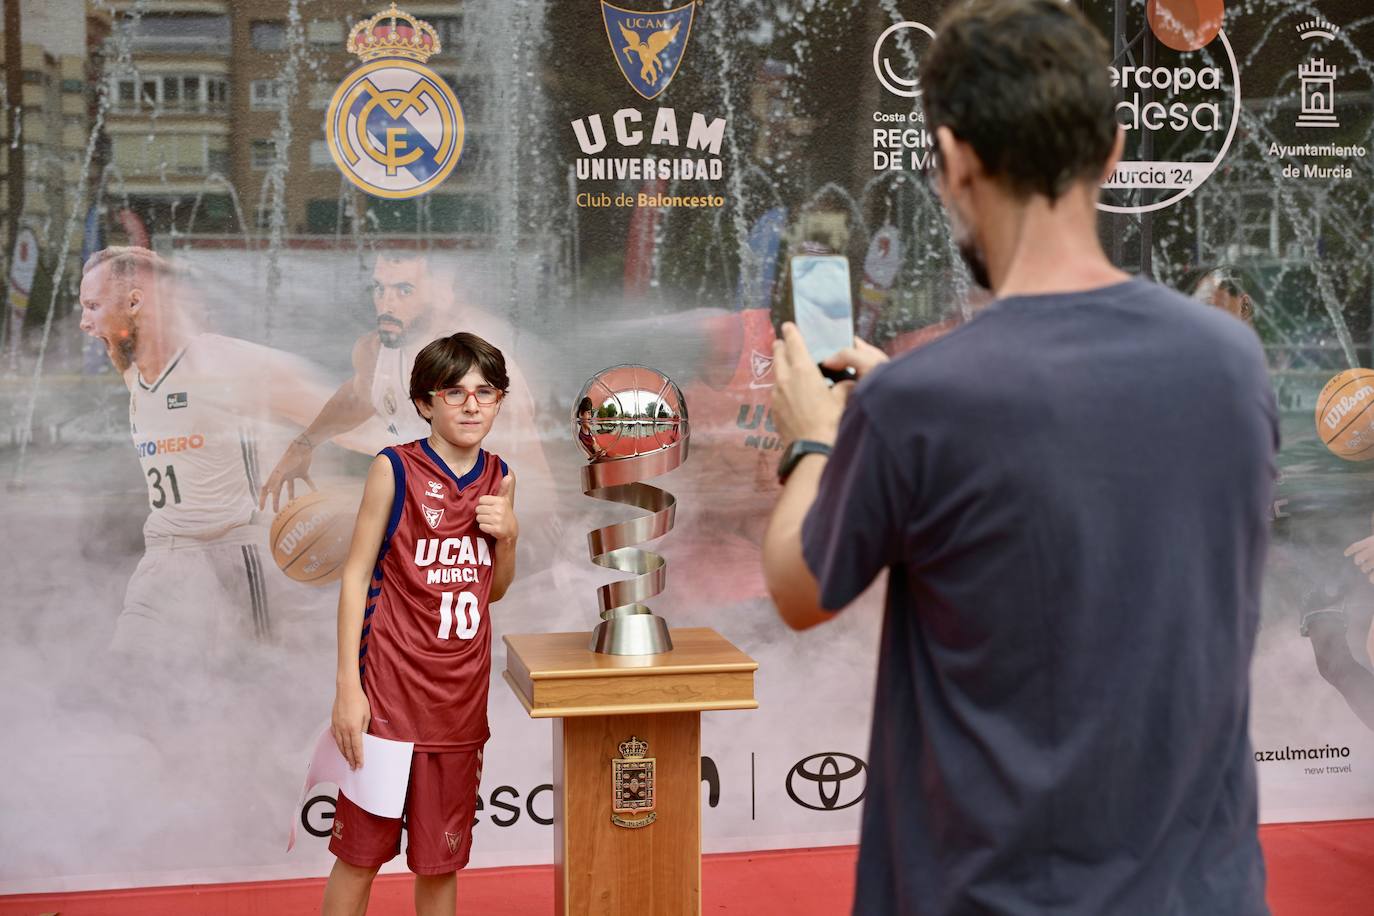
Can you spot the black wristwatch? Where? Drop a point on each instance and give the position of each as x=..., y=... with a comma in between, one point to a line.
x=795, y=452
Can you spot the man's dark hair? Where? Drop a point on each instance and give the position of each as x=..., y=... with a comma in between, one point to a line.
x=443, y=363
x=1026, y=84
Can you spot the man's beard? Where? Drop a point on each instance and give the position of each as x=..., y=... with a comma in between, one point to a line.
x=393, y=333
x=968, y=250
x=123, y=350
x=975, y=262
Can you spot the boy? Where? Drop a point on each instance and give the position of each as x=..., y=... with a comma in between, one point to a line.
x=433, y=545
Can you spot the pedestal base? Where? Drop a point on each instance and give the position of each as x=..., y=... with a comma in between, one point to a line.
x=601, y=702
x=633, y=634
x=600, y=867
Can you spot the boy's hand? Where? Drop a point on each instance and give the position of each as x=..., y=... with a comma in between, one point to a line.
x=496, y=514
x=352, y=713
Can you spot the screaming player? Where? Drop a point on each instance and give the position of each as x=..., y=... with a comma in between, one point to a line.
x=433, y=546
x=198, y=405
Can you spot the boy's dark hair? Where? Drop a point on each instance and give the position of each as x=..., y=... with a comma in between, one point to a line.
x=1026, y=84
x=443, y=363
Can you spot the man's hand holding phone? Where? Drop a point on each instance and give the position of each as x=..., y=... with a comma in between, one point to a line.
x=857, y=360
x=804, y=406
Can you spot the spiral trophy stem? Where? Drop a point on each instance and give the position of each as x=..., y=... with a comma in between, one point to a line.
x=651, y=437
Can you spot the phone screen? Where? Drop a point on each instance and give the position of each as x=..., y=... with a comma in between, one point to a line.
x=821, y=303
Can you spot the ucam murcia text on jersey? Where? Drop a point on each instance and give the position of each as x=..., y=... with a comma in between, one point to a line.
x=457, y=558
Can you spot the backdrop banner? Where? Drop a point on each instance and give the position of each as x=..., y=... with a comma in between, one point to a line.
x=583, y=185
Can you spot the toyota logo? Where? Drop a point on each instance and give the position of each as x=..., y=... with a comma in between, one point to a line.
x=822, y=782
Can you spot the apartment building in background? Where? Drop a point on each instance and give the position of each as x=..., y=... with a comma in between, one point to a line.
x=60, y=42
x=202, y=118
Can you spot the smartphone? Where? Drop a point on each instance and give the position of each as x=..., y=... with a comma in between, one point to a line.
x=822, y=307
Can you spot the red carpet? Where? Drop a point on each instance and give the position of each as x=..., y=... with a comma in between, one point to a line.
x=1314, y=870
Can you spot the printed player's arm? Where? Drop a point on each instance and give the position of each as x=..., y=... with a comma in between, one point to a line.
x=348, y=407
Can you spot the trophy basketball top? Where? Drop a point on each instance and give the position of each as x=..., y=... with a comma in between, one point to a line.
x=628, y=412
x=631, y=422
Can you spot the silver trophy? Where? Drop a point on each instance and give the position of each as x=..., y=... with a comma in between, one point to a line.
x=631, y=421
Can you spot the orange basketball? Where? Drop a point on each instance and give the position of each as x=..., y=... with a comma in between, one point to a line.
x=1345, y=414
x=310, y=536
x=1185, y=25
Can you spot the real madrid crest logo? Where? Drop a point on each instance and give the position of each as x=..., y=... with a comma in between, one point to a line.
x=394, y=127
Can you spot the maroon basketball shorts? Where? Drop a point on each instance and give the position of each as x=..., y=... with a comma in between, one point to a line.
x=441, y=803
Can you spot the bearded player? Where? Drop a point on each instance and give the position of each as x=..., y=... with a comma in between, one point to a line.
x=198, y=405
x=433, y=546
x=413, y=307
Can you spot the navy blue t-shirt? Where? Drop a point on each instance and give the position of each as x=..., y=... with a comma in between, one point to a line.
x=1071, y=493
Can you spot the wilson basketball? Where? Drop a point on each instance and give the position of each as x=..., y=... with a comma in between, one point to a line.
x=1345, y=414
x=310, y=536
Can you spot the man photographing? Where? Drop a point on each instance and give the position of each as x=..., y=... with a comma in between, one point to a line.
x=1069, y=494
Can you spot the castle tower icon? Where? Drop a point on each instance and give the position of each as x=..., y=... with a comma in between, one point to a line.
x=1318, y=95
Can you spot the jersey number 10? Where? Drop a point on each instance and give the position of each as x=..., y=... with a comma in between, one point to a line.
x=468, y=615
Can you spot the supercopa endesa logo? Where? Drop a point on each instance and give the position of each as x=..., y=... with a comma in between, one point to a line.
x=1179, y=107
x=394, y=127
x=829, y=781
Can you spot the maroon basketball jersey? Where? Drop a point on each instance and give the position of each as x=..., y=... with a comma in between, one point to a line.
x=425, y=655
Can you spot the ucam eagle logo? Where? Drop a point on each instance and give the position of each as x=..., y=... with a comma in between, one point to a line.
x=648, y=46
x=433, y=516
x=394, y=127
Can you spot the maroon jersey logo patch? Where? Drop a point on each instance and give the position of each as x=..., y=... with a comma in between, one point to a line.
x=433, y=516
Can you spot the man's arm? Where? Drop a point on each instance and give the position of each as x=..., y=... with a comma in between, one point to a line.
x=804, y=407
x=790, y=582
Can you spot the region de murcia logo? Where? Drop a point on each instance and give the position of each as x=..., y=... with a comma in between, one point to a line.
x=433, y=516
x=394, y=127
x=900, y=83
x=648, y=46
x=435, y=491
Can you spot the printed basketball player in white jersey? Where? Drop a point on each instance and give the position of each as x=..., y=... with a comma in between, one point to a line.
x=198, y=405
x=414, y=306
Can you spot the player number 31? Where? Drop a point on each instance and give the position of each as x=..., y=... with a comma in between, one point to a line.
x=468, y=616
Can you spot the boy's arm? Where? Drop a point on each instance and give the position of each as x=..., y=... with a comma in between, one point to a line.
x=496, y=519
x=352, y=712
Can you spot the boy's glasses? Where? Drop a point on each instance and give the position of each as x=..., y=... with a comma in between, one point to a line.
x=485, y=395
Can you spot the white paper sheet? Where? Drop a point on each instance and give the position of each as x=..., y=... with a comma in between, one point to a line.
x=378, y=786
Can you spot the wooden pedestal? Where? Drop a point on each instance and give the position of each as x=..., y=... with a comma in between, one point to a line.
x=600, y=701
